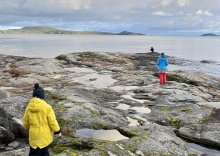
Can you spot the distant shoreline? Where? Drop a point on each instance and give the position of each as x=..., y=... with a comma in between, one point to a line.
x=49, y=30
x=209, y=34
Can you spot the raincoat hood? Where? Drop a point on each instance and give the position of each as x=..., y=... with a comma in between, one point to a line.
x=35, y=105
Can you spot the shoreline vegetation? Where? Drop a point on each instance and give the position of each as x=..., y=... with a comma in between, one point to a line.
x=93, y=91
x=49, y=30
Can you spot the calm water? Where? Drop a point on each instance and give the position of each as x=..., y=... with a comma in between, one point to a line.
x=185, y=47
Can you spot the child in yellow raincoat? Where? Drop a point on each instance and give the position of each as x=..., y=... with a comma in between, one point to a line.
x=40, y=120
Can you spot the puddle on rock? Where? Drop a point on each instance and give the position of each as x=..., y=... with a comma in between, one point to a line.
x=59, y=76
x=140, y=118
x=123, y=88
x=211, y=104
x=110, y=135
x=206, y=151
x=92, y=78
x=140, y=110
x=7, y=88
x=80, y=70
x=133, y=122
x=48, y=88
x=133, y=99
x=123, y=106
x=95, y=80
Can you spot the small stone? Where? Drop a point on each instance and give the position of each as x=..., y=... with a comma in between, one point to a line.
x=9, y=148
x=13, y=144
x=2, y=147
x=93, y=79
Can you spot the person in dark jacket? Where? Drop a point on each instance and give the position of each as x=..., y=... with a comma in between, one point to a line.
x=152, y=49
x=40, y=120
x=162, y=64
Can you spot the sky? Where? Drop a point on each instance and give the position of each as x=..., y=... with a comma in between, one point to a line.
x=150, y=17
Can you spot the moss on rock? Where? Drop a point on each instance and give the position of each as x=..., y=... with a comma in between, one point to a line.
x=55, y=97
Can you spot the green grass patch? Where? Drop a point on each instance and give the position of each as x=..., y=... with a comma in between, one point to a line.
x=55, y=97
x=185, y=109
x=175, y=122
x=92, y=112
x=60, y=108
x=164, y=109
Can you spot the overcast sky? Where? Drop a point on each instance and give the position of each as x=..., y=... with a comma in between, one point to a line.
x=151, y=17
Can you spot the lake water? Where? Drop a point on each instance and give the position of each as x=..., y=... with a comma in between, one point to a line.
x=185, y=47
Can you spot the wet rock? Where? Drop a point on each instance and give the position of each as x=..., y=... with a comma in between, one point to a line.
x=207, y=134
x=93, y=79
x=13, y=144
x=19, y=152
x=18, y=129
x=188, y=103
x=40, y=66
x=2, y=63
x=196, y=152
x=206, y=61
x=6, y=136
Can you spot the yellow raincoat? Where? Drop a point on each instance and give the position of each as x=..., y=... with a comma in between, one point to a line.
x=40, y=120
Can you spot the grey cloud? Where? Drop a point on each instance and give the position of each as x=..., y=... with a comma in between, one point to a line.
x=113, y=15
x=205, y=13
x=161, y=13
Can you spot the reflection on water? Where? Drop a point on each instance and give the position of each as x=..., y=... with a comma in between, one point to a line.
x=140, y=110
x=196, y=66
x=92, y=78
x=5, y=88
x=140, y=118
x=123, y=88
x=95, y=80
x=206, y=151
x=110, y=135
x=52, y=45
x=133, y=122
x=131, y=98
x=123, y=106
x=80, y=70
x=211, y=104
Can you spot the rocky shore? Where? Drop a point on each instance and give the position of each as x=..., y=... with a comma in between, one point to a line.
x=111, y=104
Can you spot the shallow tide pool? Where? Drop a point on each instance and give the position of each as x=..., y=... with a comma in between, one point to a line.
x=110, y=135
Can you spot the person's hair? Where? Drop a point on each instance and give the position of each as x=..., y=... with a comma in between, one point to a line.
x=162, y=54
